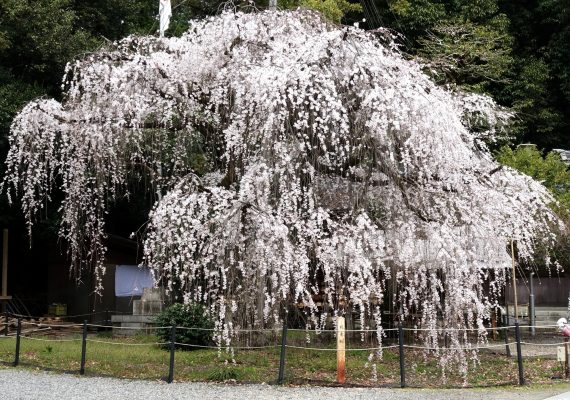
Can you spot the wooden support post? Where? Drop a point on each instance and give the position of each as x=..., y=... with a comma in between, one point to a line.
x=282, y=355
x=340, y=351
x=507, y=348
x=4, y=293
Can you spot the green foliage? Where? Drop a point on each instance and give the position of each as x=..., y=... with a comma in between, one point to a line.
x=415, y=17
x=188, y=316
x=40, y=37
x=468, y=54
x=14, y=94
x=538, y=83
x=334, y=10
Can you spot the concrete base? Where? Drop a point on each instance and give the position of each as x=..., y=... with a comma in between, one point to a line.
x=137, y=323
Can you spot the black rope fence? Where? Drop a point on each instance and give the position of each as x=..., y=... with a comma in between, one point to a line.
x=280, y=339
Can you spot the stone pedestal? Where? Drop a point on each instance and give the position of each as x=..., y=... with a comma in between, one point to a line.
x=144, y=312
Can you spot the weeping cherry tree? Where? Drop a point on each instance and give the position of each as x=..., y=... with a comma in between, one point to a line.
x=333, y=166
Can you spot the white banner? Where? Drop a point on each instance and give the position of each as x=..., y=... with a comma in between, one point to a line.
x=164, y=13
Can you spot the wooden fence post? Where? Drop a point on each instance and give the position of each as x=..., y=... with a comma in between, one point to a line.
x=340, y=351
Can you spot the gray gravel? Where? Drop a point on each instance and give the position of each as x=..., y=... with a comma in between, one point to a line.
x=20, y=384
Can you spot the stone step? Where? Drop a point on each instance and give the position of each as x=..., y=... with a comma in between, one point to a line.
x=141, y=319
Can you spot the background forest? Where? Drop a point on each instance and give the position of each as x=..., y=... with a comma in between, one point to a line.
x=516, y=51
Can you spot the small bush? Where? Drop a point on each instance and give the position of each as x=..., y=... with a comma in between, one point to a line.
x=224, y=374
x=187, y=316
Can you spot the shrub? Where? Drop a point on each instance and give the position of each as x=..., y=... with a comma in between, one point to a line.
x=224, y=374
x=188, y=316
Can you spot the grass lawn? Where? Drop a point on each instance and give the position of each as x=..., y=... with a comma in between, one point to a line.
x=138, y=358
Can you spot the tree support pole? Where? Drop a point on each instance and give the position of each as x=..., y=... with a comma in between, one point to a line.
x=514, y=279
x=519, y=353
x=507, y=347
x=402, y=361
x=532, y=312
x=83, y=348
x=282, y=355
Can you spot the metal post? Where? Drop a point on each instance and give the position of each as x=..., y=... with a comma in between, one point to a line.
x=519, y=353
x=507, y=347
x=282, y=356
x=402, y=366
x=566, y=361
x=83, y=349
x=6, y=323
x=107, y=319
x=172, y=351
x=532, y=313
x=18, y=334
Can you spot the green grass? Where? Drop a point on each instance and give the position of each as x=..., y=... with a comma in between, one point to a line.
x=139, y=358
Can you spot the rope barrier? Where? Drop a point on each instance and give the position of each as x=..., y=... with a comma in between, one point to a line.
x=111, y=312
x=233, y=331
x=146, y=328
x=50, y=340
x=128, y=327
x=334, y=349
x=489, y=346
x=317, y=331
x=222, y=347
x=127, y=344
x=543, y=344
x=308, y=331
x=41, y=324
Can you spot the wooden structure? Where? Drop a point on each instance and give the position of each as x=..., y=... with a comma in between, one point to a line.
x=4, y=294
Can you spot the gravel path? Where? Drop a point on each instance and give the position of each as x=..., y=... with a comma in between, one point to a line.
x=20, y=384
